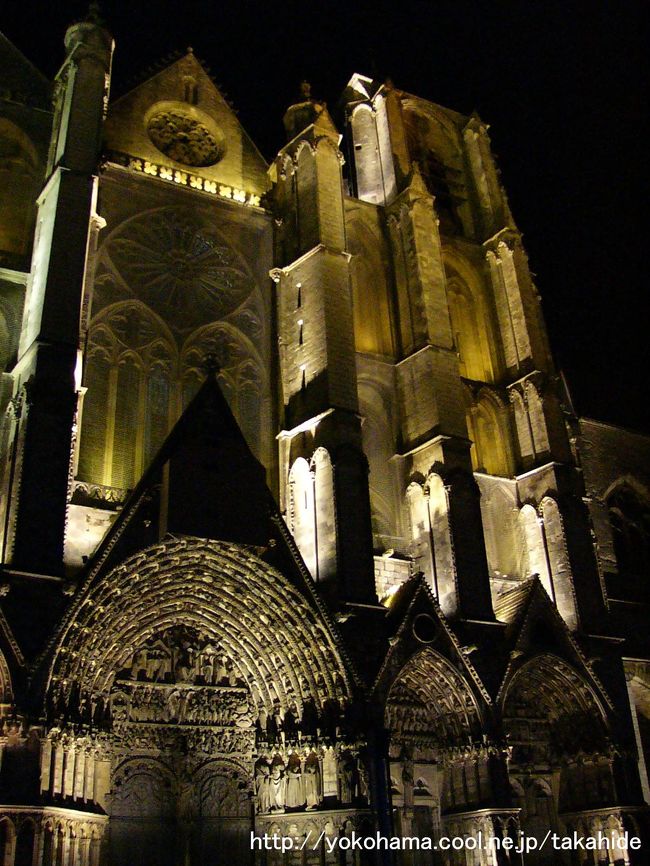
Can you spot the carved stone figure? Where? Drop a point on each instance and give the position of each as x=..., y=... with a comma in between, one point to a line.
x=274, y=726
x=312, y=780
x=221, y=674
x=295, y=784
x=309, y=720
x=290, y=724
x=347, y=777
x=262, y=785
x=207, y=660
x=277, y=788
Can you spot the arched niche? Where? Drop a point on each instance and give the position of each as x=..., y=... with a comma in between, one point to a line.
x=7, y=840
x=330, y=193
x=418, y=514
x=130, y=374
x=547, y=554
x=429, y=701
x=307, y=197
x=489, y=430
x=369, y=174
x=434, y=144
x=379, y=448
x=137, y=383
x=432, y=546
x=526, y=446
x=533, y=794
x=370, y=295
x=536, y=558
x=444, y=570
x=472, y=319
x=505, y=544
x=629, y=517
x=20, y=179
x=323, y=474
x=558, y=558
x=409, y=317
x=311, y=513
x=554, y=721
x=536, y=414
x=286, y=198
x=302, y=512
x=25, y=839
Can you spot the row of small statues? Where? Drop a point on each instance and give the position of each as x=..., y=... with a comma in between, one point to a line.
x=336, y=720
x=299, y=784
x=162, y=664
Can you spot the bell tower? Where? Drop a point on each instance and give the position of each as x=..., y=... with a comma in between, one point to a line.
x=47, y=375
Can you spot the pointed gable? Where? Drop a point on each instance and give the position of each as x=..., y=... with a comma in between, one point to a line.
x=205, y=483
x=416, y=622
x=204, y=499
x=21, y=81
x=179, y=119
x=535, y=627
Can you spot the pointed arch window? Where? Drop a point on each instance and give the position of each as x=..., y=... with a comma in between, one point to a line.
x=128, y=405
x=137, y=384
x=629, y=517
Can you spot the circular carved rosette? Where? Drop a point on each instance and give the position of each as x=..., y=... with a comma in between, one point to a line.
x=184, y=138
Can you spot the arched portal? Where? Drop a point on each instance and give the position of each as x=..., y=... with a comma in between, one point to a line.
x=281, y=649
x=557, y=729
x=429, y=700
x=195, y=656
x=434, y=721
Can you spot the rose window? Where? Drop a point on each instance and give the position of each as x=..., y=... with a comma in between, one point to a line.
x=179, y=266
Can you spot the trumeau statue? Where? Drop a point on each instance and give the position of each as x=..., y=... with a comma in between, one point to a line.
x=427, y=623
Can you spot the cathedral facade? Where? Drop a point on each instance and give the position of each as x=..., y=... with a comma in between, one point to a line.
x=300, y=536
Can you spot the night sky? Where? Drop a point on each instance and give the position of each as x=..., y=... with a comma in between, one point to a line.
x=563, y=85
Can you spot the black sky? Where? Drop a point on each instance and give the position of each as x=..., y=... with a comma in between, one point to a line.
x=563, y=85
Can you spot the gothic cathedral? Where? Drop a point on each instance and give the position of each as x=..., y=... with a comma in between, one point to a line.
x=299, y=532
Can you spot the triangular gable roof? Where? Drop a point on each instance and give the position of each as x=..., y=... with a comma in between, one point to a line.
x=8, y=643
x=241, y=165
x=412, y=599
x=528, y=608
x=20, y=80
x=11, y=657
x=204, y=483
x=31, y=610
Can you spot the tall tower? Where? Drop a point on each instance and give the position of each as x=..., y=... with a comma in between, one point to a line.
x=475, y=384
x=324, y=474
x=432, y=444
x=46, y=373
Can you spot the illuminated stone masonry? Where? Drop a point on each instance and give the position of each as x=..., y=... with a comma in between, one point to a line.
x=300, y=536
